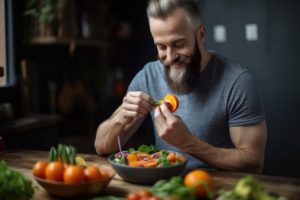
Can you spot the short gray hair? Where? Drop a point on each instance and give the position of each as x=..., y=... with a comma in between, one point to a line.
x=161, y=9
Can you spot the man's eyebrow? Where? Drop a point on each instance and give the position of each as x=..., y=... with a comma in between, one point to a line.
x=174, y=41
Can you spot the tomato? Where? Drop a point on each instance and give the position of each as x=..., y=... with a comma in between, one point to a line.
x=154, y=198
x=93, y=173
x=171, y=157
x=74, y=174
x=133, y=196
x=55, y=171
x=39, y=169
x=145, y=193
x=197, y=178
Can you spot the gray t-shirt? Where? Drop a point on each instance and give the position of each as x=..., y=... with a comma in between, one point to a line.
x=225, y=96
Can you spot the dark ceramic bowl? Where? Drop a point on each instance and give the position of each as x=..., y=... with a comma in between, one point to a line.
x=143, y=175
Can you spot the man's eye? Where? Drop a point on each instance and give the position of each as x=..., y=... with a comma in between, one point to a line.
x=178, y=44
x=161, y=47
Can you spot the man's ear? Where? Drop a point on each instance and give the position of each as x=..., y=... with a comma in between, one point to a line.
x=201, y=32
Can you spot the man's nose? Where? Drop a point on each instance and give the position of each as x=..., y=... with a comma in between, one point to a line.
x=171, y=55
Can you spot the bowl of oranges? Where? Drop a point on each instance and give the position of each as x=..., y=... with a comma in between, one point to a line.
x=66, y=175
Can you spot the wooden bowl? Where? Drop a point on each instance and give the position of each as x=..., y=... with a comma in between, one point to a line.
x=79, y=189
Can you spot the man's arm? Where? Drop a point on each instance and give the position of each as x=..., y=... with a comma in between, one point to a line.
x=249, y=142
x=248, y=154
x=124, y=122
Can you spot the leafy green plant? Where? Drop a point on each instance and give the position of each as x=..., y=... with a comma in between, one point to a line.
x=43, y=10
x=13, y=184
x=173, y=188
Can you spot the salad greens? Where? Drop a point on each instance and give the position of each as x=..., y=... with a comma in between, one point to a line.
x=13, y=184
x=163, y=159
x=120, y=160
x=173, y=188
x=147, y=149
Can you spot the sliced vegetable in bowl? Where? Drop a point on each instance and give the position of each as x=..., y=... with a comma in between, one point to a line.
x=148, y=156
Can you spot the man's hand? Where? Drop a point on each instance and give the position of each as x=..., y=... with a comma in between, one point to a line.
x=135, y=105
x=171, y=128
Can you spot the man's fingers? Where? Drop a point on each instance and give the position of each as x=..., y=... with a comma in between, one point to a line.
x=141, y=95
x=132, y=114
x=135, y=108
x=166, y=112
x=160, y=120
x=139, y=98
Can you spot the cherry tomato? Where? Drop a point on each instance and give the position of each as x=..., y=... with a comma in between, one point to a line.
x=55, y=171
x=39, y=169
x=133, y=196
x=93, y=173
x=74, y=174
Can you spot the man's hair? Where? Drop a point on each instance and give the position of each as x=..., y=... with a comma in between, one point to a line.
x=161, y=9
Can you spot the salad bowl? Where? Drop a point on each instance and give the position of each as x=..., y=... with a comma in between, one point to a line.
x=145, y=172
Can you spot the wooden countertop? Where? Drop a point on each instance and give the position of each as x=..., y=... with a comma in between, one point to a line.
x=23, y=160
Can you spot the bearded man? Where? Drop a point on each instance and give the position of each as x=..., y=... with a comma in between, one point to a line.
x=219, y=123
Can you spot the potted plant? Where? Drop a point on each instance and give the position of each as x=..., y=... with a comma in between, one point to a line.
x=45, y=17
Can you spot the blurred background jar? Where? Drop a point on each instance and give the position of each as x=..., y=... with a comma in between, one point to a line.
x=6, y=111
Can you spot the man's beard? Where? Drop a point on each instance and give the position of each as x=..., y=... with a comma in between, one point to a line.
x=184, y=79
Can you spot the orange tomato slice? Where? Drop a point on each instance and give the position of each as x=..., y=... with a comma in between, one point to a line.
x=151, y=163
x=172, y=100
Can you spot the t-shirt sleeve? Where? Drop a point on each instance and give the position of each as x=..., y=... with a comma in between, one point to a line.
x=138, y=82
x=245, y=106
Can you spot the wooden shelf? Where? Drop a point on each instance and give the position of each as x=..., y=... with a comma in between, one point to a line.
x=67, y=42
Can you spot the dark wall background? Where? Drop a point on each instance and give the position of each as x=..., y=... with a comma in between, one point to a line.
x=274, y=62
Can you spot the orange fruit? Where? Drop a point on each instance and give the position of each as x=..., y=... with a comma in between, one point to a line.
x=92, y=173
x=55, y=171
x=39, y=169
x=74, y=174
x=172, y=101
x=198, y=178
